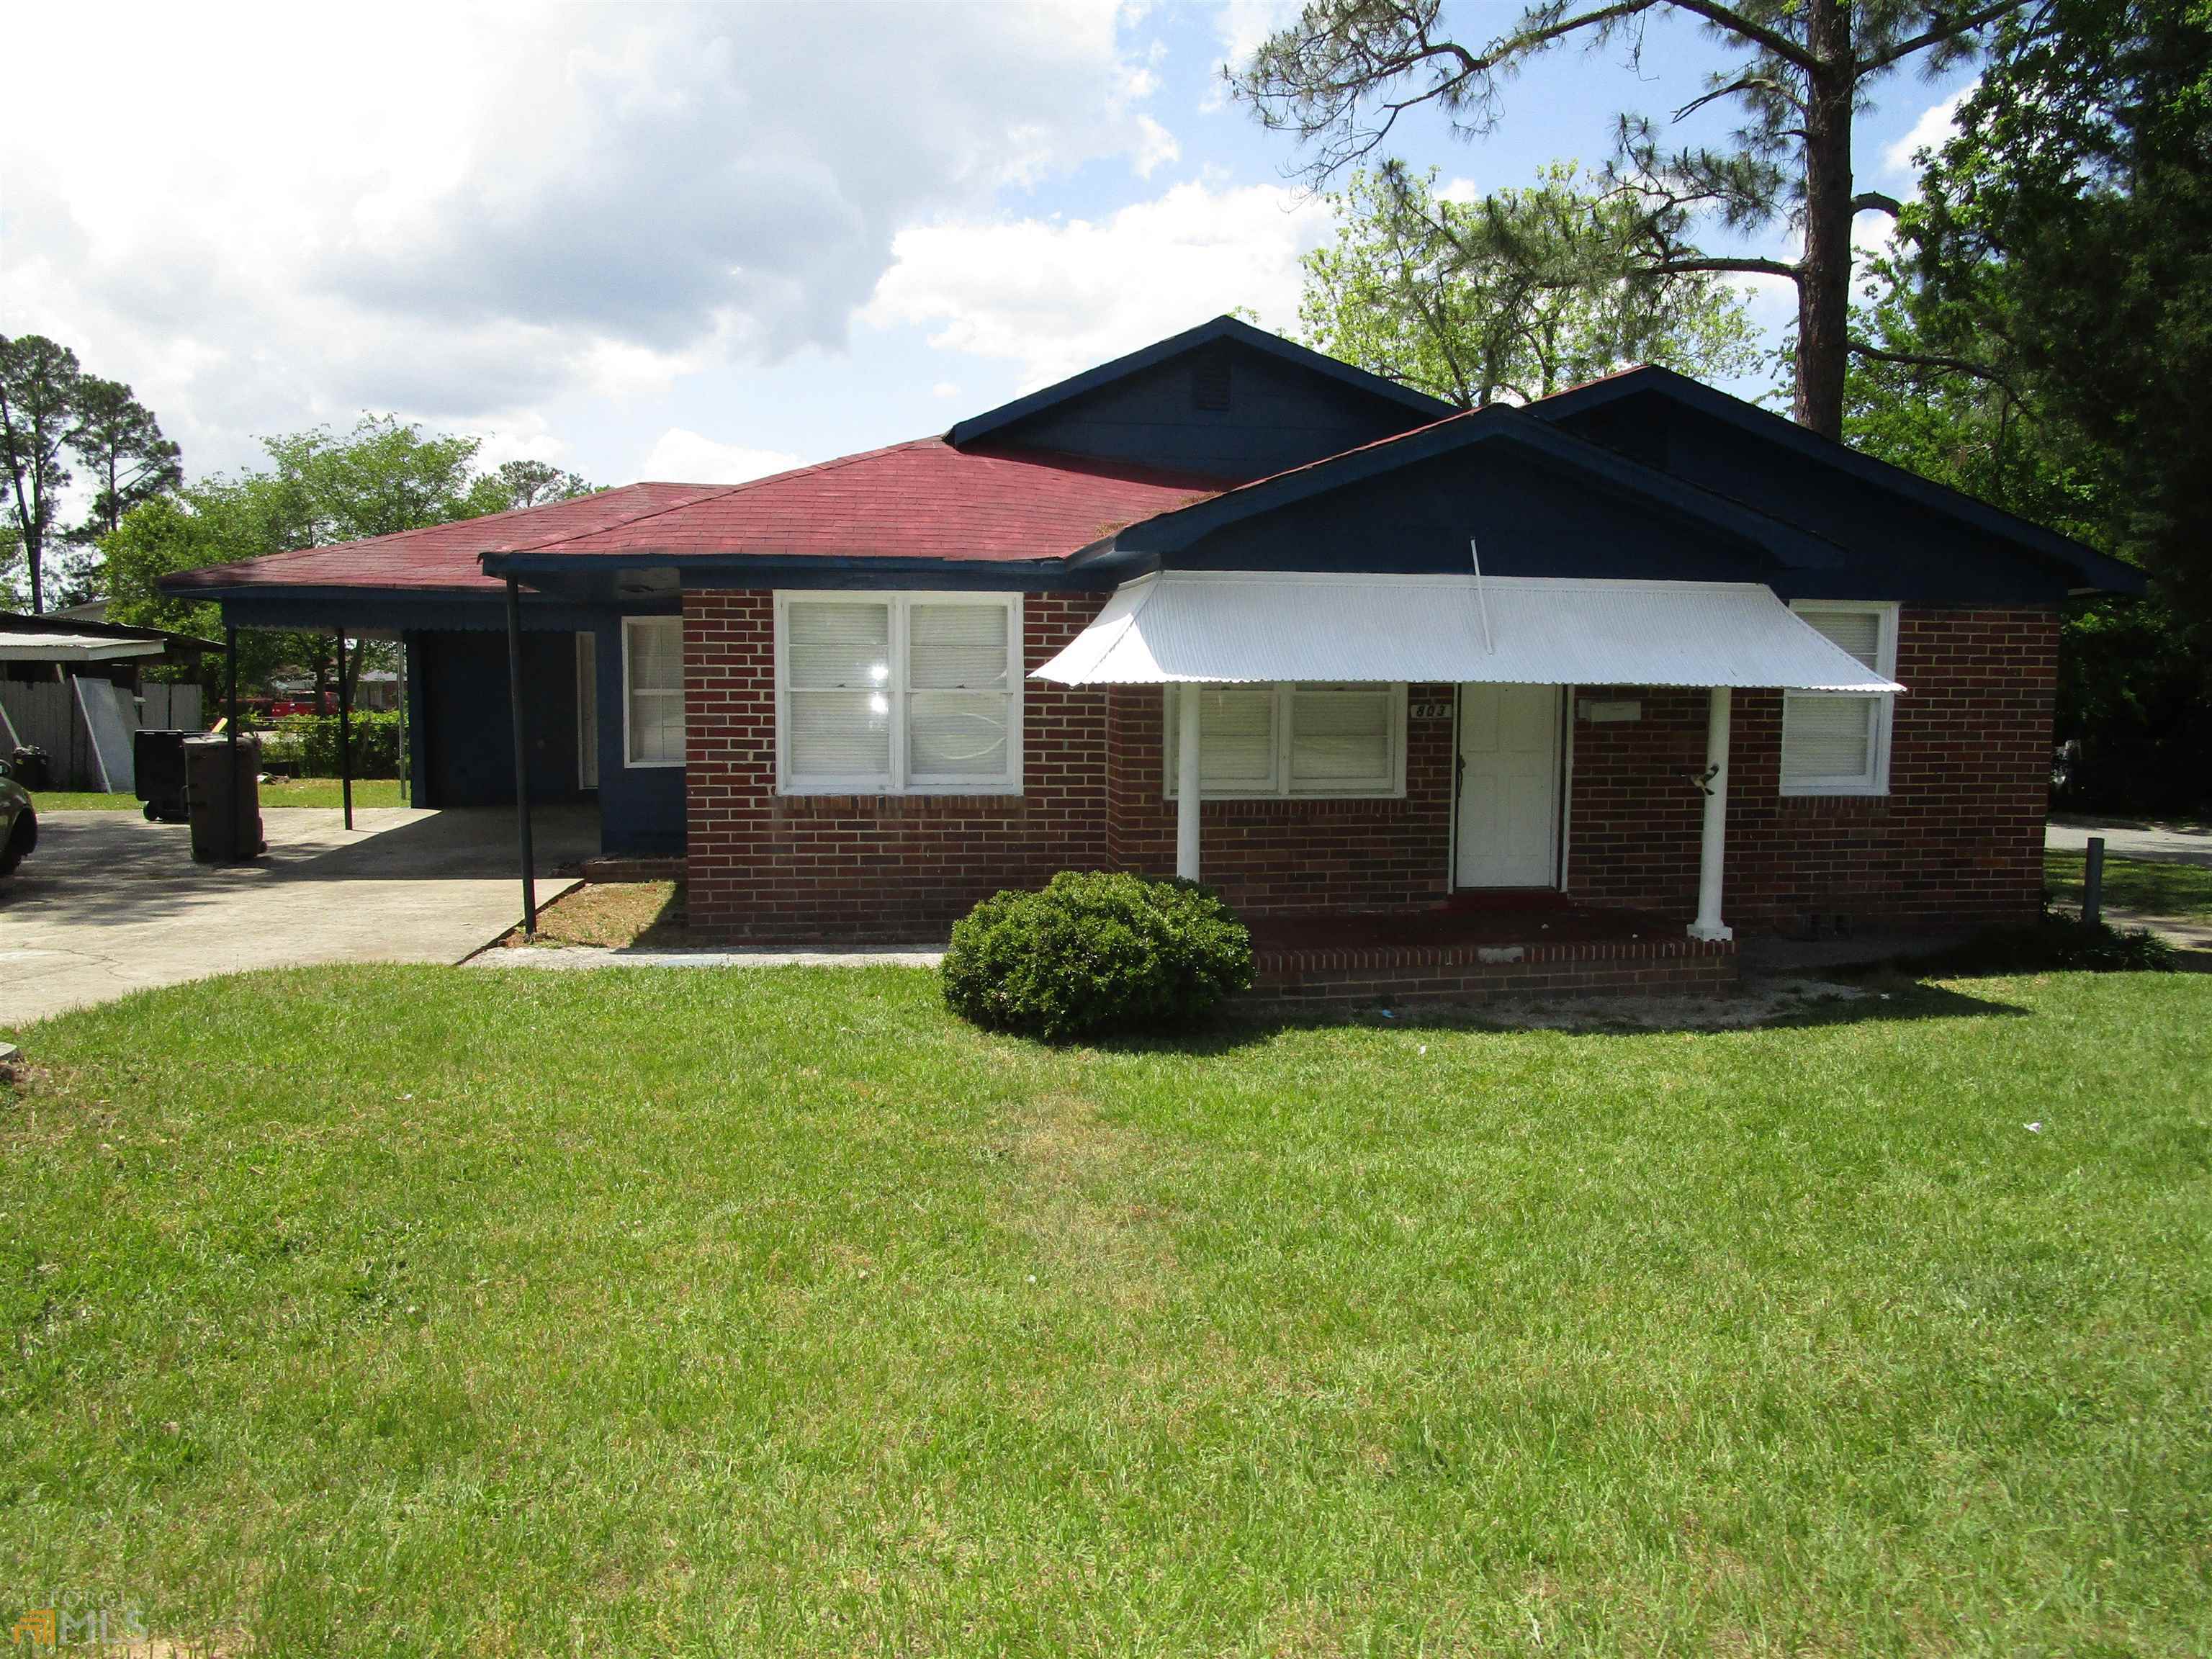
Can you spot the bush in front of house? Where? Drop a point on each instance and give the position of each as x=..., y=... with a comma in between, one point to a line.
x=1095, y=953
x=2056, y=945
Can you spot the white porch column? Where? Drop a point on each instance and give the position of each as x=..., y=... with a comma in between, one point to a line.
x=1186, y=783
x=1708, y=926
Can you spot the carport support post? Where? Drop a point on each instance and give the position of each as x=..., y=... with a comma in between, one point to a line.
x=345, y=735
x=521, y=757
x=1187, y=771
x=1708, y=926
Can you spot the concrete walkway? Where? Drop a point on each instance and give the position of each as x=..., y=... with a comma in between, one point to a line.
x=2131, y=838
x=569, y=958
x=110, y=903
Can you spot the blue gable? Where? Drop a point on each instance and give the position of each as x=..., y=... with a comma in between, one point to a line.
x=1224, y=399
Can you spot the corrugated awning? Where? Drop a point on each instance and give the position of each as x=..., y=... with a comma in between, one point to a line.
x=1223, y=627
x=25, y=645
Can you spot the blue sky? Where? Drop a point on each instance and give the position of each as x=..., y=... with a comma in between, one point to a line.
x=696, y=243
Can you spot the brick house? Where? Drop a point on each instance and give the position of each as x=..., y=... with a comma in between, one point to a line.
x=1567, y=694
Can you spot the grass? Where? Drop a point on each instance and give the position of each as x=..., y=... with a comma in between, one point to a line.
x=277, y=791
x=614, y=915
x=412, y=1311
x=2181, y=890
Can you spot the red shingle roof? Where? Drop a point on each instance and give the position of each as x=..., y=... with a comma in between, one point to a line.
x=923, y=499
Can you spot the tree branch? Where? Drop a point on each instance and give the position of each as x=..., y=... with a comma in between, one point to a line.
x=1678, y=267
x=1767, y=39
x=1949, y=29
x=1875, y=201
x=1928, y=360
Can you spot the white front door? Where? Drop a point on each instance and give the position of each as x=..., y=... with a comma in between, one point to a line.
x=587, y=711
x=1509, y=788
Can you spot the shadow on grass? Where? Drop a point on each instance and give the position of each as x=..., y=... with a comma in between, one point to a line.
x=1883, y=997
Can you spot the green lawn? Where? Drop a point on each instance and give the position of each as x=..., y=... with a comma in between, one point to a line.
x=281, y=791
x=2156, y=889
x=400, y=1311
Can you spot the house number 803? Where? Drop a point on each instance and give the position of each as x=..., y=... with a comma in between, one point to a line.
x=1430, y=711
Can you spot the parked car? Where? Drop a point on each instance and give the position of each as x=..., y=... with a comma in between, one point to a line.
x=19, y=821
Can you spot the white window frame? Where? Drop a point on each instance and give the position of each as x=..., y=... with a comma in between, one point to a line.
x=894, y=782
x=630, y=762
x=1283, y=789
x=1875, y=781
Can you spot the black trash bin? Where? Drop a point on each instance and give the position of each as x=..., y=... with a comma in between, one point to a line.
x=28, y=767
x=225, y=806
x=157, y=757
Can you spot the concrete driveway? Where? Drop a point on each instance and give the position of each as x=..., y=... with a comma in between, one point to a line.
x=111, y=904
x=2129, y=838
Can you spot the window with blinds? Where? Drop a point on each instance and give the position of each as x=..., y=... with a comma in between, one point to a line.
x=898, y=694
x=1837, y=743
x=1292, y=740
x=653, y=690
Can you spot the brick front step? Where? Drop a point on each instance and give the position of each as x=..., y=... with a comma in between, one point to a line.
x=1477, y=973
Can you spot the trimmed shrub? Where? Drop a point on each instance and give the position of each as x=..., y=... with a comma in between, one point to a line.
x=309, y=742
x=1096, y=953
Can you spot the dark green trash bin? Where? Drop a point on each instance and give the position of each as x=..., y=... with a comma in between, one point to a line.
x=225, y=806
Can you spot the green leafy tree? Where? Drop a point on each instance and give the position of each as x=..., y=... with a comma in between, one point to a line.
x=1476, y=301
x=1346, y=71
x=533, y=483
x=2043, y=340
x=319, y=487
x=120, y=444
x=38, y=385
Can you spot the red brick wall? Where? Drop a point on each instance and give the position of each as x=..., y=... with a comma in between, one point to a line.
x=1957, y=841
x=1276, y=855
x=768, y=866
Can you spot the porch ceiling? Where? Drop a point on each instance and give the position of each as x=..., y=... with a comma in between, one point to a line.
x=1224, y=627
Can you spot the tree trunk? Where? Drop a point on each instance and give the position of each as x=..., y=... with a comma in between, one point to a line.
x=1824, y=280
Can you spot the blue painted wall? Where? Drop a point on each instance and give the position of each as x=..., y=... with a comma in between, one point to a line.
x=462, y=732
x=640, y=807
x=1531, y=517
x=1279, y=415
x=1898, y=549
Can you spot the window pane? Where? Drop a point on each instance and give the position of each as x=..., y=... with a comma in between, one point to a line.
x=838, y=644
x=1340, y=737
x=1235, y=738
x=1858, y=632
x=1827, y=737
x=956, y=645
x=656, y=653
x=957, y=734
x=656, y=725
x=841, y=734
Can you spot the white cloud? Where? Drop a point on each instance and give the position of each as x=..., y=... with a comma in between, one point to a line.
x=1058, y=296
x=1241, y=26
x=1937, y=125
x=946, y=389
x=289, y=217
x=682, y=456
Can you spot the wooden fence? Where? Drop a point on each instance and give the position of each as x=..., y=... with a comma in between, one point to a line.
x=51, y=714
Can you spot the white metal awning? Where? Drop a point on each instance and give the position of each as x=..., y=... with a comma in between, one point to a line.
x=1225, y=627
x=28, y=646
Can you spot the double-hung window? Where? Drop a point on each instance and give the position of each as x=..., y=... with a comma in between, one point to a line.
x=1837, y=743
x=1293, y=741
x=653, y=690
x=901, y=694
